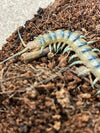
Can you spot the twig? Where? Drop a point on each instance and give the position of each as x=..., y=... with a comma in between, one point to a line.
x=45, y=80
x=42, y=82
x=29, y=56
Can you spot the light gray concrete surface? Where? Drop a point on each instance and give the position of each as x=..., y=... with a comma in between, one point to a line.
x=14, y=13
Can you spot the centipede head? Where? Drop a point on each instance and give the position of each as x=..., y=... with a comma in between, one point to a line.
x=33, y=44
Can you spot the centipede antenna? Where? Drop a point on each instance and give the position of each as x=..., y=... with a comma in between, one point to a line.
x=58, y=46
x=21, y=39
x=19, y=53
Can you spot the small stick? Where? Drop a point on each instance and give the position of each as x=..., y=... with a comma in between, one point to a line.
x=27, y=57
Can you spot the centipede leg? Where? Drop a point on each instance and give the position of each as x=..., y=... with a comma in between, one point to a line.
x=94, y=82
x=50, y=48
x=82, y=37
x=96, y=50
x=58, y=46
x=90, y=42
x=54, y=46
x=19, y=53
x=72, y=57
x=67, y=49
x=98, y=92
x=21, y=39
x=76, y=62
x=63, y=45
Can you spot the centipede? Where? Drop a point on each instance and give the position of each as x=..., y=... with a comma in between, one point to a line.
x=65, y=40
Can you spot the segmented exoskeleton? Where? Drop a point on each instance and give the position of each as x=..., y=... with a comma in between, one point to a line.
x=67, y=41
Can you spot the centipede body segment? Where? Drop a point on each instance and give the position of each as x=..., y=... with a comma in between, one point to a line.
x=68, y=41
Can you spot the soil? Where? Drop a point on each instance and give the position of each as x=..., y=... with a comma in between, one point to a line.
x=45, y=95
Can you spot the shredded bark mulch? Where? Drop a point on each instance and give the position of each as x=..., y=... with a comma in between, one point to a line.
x=45, y=95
